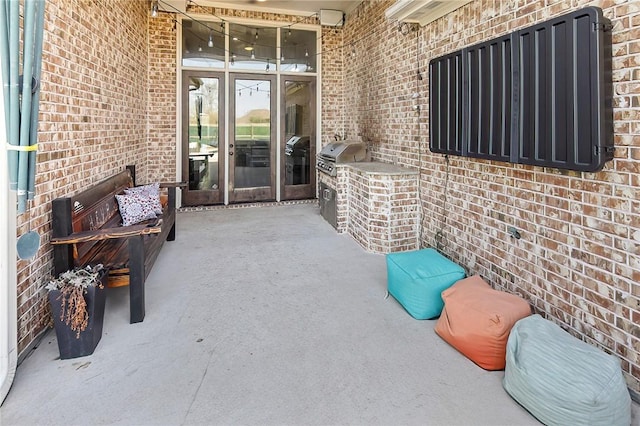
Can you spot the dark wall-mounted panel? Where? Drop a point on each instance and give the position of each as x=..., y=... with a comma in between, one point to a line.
x=562, y=102
x=487, y=99
x=539, y=96
x=445, y=124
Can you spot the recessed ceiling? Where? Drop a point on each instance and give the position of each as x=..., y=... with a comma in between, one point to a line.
x=291, y=7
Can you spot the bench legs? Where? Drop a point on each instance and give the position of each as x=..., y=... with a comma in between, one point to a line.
x=172, y=233
x=136, y=279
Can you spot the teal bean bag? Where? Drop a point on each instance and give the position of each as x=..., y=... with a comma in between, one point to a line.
x=562, y=380
x=417, y=278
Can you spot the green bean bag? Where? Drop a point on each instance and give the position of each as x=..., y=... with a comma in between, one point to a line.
x=562, y=380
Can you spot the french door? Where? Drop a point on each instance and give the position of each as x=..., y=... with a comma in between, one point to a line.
x=230, y=147
x=203, y=132
x=252, y=138
x=298, y=127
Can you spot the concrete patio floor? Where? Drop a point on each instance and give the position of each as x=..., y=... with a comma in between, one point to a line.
x=261, y=315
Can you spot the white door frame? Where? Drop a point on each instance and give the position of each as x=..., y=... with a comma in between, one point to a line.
x=8, y=277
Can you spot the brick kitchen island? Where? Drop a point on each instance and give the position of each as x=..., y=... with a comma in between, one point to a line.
x=377, y=204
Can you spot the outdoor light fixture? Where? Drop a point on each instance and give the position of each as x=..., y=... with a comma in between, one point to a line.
x=154, y=8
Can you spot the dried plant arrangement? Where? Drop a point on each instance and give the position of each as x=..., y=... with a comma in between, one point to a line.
x=72, y=286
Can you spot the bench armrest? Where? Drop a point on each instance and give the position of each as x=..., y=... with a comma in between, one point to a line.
x=108, y=233
x=173, y=184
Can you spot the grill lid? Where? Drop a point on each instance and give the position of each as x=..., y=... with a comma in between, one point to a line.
x=340, y=152
x=343, y=152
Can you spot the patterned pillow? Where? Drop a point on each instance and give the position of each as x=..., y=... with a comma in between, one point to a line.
x=134, y=209
x=151, y=191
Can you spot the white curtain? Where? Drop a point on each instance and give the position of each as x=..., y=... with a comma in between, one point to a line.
x=8, y=297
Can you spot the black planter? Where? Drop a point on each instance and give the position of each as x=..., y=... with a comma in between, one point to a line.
x=69, y=345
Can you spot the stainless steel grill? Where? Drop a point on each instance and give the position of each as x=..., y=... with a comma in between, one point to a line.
x=338, y=153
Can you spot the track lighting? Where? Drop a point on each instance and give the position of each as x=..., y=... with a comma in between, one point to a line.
x=154, y=8
x=210, y=44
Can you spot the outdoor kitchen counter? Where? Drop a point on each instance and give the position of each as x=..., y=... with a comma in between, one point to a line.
x=381, y=203
x=381, y=168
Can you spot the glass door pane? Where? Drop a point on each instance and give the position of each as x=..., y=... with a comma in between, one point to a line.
x=203, y=126
x=251, y=153
x=299, y=124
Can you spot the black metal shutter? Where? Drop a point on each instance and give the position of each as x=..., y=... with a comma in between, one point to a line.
x=487, y=99
x=539, y=96
x=446, y=108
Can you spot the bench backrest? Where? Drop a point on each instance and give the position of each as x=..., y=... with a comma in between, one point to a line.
x=89, y=210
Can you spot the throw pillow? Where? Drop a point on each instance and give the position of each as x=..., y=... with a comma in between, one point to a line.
x=151, y=191
x=134, y=209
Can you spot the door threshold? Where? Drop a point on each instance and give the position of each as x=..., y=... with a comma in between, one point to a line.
x=247, y=205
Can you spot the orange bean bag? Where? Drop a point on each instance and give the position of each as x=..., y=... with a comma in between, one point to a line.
x=476, y=320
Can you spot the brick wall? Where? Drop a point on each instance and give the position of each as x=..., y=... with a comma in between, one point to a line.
x=163, y=97
x=382, y=207
x=578, y=261
x=92, y=121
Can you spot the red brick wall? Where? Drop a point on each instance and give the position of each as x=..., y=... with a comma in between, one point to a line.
x=578, y=261
x=92, y=120
x=161, y=114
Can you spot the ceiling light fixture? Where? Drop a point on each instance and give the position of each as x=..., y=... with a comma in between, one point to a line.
x=154, y=8
x=210, y=44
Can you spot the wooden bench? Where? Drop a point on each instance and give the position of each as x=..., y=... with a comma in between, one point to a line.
x=87, y=229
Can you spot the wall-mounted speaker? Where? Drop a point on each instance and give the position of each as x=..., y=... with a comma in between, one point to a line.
x=331, y=18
